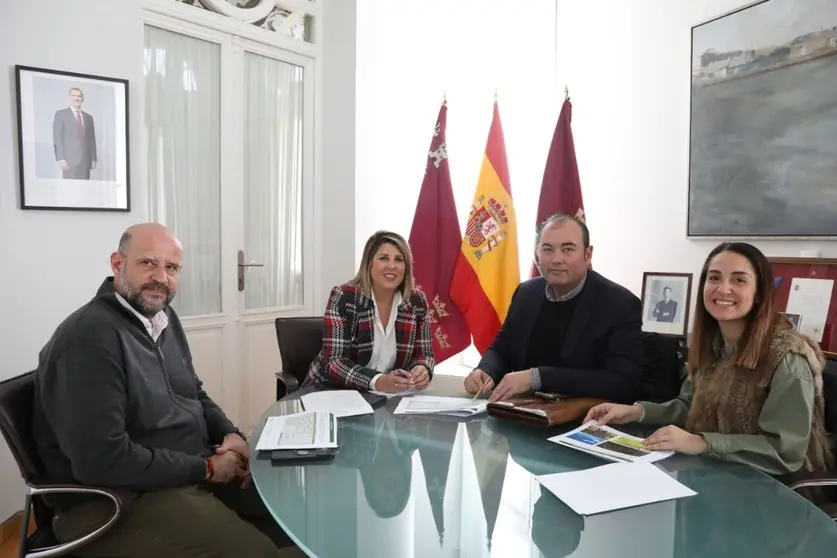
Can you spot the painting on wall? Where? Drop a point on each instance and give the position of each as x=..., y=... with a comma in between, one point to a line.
x=72, y=140
x=763, y=122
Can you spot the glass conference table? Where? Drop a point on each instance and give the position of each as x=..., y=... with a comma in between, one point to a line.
x=427, y=487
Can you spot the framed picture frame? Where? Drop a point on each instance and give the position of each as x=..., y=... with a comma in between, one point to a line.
x=666, y=303
x=780, y=52
x=794, y=319
x=73, y=141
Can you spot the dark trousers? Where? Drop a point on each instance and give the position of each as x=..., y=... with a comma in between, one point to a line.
x=217, y=522
x=81, y=172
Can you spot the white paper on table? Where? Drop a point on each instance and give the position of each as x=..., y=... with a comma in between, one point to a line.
x=811, y=298
x=405, y=393
x=340, y=402
x=614, y=487
x=438, y=405
x=310, y=430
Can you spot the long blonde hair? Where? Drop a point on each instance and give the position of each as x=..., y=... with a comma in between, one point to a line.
x=363, y=278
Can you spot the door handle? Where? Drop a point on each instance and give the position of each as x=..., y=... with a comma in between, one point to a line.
x=241, y=268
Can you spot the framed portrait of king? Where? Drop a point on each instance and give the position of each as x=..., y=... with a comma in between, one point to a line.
x=73, y=141
x=666, y=301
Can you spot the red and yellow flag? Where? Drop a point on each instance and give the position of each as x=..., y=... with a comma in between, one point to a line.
x=488, y=269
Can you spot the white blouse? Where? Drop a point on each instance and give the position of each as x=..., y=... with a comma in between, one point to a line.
x=383, y=340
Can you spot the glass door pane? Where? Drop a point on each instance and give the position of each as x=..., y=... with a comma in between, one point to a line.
x=272, y=182
x=182, y=125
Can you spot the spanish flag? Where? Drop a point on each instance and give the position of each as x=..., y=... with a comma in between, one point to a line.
x=488, y=269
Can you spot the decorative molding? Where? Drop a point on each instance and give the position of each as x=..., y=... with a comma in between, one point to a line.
x=267, y=14
x=236, y=44
x=243, y=10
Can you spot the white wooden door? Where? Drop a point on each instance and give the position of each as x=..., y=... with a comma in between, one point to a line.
x=228, y=137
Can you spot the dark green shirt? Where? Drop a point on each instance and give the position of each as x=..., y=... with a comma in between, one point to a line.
x=785, y=421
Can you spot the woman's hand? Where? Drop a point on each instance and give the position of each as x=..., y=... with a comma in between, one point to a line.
x=605, y=413
x=420, y=376
x=671, y=438
x=394, y=382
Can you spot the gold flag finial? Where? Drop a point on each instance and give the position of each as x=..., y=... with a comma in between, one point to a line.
x=444, y=96
x=566, y=93
x=495, y=94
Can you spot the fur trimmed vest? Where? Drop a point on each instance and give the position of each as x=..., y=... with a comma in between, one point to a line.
x=728, y=400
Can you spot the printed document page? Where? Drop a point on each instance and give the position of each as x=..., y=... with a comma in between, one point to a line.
x=810, y=299
x=311, y=430
x=340, y=402
x=613, y=487
x=405, y=393
x=435, y=405
x=608, y=443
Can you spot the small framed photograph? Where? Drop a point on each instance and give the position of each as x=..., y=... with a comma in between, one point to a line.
x=73, y=145
x=666, y=300
x=794, y=319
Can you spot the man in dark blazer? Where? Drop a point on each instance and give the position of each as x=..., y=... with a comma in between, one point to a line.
x=666, y=309
x=74, y=139
x=570, y=331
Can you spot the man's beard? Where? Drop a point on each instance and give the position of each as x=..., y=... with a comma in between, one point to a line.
x=134, y=298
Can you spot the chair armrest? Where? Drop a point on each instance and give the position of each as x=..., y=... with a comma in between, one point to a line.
x=66, y=548
x=285, y=383
x=815, y=480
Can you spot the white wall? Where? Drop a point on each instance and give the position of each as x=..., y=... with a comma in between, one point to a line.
x=408, y=54
x=53, y=261
x=337, y=169
x=628, y=74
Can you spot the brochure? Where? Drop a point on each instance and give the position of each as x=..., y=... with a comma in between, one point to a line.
x=608, y=443
x=301, y=431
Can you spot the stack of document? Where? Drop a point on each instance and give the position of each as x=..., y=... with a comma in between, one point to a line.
x=309, y=430
x=339, y=402
x=608, y=443
x=433, y=405
x=614, y=487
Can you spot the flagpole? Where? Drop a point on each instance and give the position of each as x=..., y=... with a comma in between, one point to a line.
x=566, y=93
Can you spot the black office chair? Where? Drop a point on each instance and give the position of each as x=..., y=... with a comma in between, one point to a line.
x=300, y=340
x=665, y=361
x=16, y=401
x=826, y=482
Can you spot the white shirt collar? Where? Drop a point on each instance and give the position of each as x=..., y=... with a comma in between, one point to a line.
x=393, y=312
x=154, y=326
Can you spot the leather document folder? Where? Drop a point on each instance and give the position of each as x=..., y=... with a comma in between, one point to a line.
x=543, y=410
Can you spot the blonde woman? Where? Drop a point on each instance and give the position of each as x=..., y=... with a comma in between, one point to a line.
x=377, y=326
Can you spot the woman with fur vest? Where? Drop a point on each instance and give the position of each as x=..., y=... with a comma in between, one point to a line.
x=753, y=392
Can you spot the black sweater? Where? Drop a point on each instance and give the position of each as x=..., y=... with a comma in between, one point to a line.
x=113, y=408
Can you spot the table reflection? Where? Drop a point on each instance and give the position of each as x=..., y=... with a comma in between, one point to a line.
x=425, y=486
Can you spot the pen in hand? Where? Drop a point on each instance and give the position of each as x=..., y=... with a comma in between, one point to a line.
x=404, y=374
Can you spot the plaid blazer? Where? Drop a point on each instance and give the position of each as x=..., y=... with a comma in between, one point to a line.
x=347, y=339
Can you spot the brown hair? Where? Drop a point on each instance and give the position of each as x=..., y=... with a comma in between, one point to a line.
x=761, y=321
x=363, y=277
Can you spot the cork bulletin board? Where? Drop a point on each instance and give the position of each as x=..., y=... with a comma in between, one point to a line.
x=785, y=270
